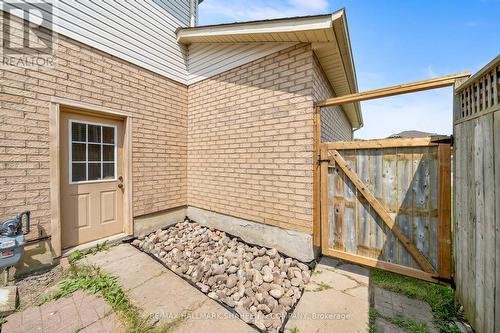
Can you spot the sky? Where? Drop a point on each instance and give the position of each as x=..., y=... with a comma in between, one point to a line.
x=394, y=42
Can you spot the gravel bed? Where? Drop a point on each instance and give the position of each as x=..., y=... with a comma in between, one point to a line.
x=33, y=286
x=260, y=284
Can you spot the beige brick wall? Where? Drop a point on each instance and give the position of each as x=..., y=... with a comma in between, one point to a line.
x=335, y=126
x=158, y=105
x=250, y=143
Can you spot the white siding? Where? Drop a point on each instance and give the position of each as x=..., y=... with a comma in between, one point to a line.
x=206, y=59
x=141, y=32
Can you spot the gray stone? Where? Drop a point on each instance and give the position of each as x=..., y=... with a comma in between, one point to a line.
x=268, y=277
x=286, y=301
x=276, y=293
x=295, y=282
x=231, y=281
x=272, y=252
x=217, y=269
x=257, y=263
x=257, y=278
x=264, y=308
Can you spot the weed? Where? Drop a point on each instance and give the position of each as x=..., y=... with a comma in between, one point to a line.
x=317, y=272
x=405, y=324
x=323, y=286
x=409, y=325
x=95, y=281
x=440, y=298
x=78, y=254
x=294, y=330
x=372, y=317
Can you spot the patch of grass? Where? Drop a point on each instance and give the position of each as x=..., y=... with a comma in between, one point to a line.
x=372, y=316
x=317, y=272
x=322, y=286
x=95, y=281
x=409, y=325
x=405, y=324
x=440, y=298
x=294, y=330
x=78, y=254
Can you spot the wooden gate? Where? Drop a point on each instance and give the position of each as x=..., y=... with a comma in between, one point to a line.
x=387, y=204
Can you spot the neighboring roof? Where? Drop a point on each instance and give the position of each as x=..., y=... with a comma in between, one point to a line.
x=328, y=35
x=412, y=134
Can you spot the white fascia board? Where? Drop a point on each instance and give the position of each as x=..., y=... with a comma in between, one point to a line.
x=259, y=27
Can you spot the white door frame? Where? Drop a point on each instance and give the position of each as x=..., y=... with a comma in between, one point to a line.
x=55, y=186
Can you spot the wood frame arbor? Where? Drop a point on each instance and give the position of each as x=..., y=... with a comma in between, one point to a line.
x=332, y=171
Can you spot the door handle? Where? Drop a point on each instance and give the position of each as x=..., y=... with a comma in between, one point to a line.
x=120, y=185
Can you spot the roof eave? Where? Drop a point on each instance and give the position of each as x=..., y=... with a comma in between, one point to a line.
x=193, y=34
x=184, y=35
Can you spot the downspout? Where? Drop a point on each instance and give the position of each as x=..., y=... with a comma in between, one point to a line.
x=193, y=10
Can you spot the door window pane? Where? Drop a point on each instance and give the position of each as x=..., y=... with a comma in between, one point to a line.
x=108, y=171
x=94, y=171
x=94, y=152
x=78, y=132
x=79, y=172
x=94, y=133
x=108, y=135
x=108, y=153
x=78, y=152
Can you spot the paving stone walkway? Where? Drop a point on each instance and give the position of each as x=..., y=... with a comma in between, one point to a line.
x=81, y=313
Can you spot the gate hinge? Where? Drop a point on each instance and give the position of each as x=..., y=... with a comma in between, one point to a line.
x=449, y=281
x=321, y=160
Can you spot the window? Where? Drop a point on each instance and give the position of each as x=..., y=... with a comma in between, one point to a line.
x=92, y=152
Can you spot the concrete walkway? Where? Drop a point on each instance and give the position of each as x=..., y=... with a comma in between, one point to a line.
x=335, y=300
x=163, y=295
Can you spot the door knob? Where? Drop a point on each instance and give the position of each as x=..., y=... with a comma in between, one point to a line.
x=120, y=185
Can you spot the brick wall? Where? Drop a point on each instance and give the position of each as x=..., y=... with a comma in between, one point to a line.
x=335, y=126
x=250, y=141
x=158, y=105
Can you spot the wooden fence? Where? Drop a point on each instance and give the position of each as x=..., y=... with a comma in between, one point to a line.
x=477, y=197
x=386, y=204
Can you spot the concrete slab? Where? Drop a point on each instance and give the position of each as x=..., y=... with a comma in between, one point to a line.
x=336, y=300
x=131, y=274
x=391, y=305
x=211, y=314
x=111, y=255
x=164, y=296
x=383, y=326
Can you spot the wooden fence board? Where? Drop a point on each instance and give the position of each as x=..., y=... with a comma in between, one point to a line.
x=489, y=221
x=496, y=157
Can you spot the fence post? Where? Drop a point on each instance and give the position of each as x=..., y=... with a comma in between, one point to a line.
x=324, y=197
x=316, y=178
x=444, y=211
